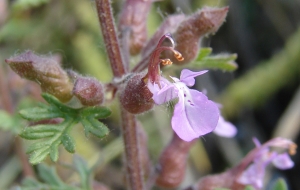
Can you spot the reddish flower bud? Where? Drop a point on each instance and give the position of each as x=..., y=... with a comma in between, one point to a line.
x=89, y=91
x=187, y=36
x=136, y=97
x=173, y=163
x=134, y=18
x=45, y=71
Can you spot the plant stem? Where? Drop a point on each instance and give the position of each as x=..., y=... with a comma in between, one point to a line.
x=133, y=166
x=110, y=37
x=129, y=125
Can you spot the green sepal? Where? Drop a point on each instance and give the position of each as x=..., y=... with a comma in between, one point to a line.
x=68, y=143
x=280, y=184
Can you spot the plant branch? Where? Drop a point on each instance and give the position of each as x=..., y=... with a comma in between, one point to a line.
x=110, y=37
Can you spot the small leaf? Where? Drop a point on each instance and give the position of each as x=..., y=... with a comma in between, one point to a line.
x=280, y=184
x=52, y=100
x=204, y=52
x=39, y=113
x=40, y=131
x=249, y=187
x=95, y=127
x=83, y=171
x=68, y=143
x=49, y=175
x=97, y=112
x=39, y=155
x=54, y=152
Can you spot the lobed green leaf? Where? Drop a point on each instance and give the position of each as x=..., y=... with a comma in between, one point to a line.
x=203, y=52
x=95, y=127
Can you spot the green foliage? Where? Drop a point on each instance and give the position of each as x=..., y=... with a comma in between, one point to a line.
x=50, y=136
x=9, y=122
x=50, y=179
x=225, y=62
x=26, y=4
x=248, y=187
x=280, y=184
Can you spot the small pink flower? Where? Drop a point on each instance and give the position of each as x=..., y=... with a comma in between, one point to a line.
x=254, y=174
x=194, y=115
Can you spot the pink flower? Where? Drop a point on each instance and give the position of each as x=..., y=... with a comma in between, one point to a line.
x=194, y=115
x=254, y=174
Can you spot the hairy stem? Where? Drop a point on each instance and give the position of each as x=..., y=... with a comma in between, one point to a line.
x=110, y=37
x=133, y=166
x=129, y=125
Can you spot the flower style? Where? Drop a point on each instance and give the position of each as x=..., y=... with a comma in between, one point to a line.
x=194, y=115
x=254, y=174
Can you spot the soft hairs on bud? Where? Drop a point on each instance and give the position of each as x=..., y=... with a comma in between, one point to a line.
x=89, y=91
x=46, y=71
x=136, y=97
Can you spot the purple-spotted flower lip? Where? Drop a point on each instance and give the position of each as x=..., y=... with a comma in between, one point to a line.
x=194, y=115
x=263, y=156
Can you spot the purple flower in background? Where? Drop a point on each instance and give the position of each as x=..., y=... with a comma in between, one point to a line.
x=194, y=115
x=254, y=174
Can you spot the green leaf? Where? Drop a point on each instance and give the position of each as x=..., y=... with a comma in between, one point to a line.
x=95, y=127
x=52, y=135
x=54, y=152
x=68, y=143
x=280, y=184
x=9, y=122
x=249, y=187
x=83, y=171
x=225, y=62
x=53, y=101
x=203, y=52
x=49, y=175
x=97, y=112
x=40, y=113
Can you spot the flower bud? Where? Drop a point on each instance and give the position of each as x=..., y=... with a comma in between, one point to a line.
x=45, y=71
x=134, y=18
x=89, y=91
x=172, y=163
x=188, y=34
x=136, y=97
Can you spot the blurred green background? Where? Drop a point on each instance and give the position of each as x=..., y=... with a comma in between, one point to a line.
x=262, y=98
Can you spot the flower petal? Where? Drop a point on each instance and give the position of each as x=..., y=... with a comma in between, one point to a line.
x=194, y=115
x=225, y=128
x=253, y=175
x=283, y=161
x=188, y=77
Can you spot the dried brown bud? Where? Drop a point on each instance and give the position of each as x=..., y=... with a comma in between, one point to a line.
x=173, y=162
x=134, y=18
x=187, y=36
x=136, y=97
x=45, y=71
x=89, y=91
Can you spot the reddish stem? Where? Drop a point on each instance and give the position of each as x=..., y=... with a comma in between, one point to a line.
x=110, y=37
x=133, y=161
